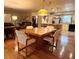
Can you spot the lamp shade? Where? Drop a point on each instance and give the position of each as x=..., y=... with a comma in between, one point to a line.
x=14, y=18
x=42, y=12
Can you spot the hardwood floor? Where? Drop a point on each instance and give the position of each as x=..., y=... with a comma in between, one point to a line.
x=65, y=49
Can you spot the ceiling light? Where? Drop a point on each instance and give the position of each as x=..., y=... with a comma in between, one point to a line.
x=42, y=12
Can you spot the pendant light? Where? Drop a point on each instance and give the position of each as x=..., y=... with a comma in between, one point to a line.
x=43, y=11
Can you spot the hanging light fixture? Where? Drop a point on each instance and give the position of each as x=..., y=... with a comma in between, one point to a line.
x=43, y=11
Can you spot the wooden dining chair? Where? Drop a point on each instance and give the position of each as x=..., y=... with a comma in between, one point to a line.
x=50, y=26
x=23, y=39
x=29, y=27
x=53, y=40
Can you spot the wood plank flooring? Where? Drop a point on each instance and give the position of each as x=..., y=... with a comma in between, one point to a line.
x=65, y=49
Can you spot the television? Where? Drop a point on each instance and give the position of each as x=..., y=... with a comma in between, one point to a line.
x=72, y=27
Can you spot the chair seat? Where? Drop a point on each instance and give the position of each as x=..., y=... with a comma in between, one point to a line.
x=48, y=39
x=24, y=40
x=53, y=39
x=30, y=41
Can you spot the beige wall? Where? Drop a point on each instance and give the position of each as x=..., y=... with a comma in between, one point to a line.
x=7, y=18
x=56, y=20
x=18, y=14
x=50, y=19
x=73, y=19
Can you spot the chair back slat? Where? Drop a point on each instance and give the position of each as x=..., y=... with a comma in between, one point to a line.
x=22, y=37
x=50, y=27
x=57, y=34
x=29, y=27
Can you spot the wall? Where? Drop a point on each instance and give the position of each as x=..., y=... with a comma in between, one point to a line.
x=22, y=16
x=73, y=19
x=52, y=17
x=57, y=20
x=7, y=18
x=61, y=14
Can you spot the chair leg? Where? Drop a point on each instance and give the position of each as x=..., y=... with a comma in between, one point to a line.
x=51, y=49
x=26, y=52
x=18, y=47
x=35, y=46
x=52, y=45
x=56, y=44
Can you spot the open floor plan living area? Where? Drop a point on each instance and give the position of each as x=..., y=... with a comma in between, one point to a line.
x=39, y=29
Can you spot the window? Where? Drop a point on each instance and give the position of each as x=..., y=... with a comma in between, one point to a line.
x=66, y=19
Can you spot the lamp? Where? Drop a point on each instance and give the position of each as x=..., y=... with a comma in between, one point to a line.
x=14, y=18
x=43, y=11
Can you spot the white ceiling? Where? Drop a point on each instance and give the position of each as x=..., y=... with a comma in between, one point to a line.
x=65, y=5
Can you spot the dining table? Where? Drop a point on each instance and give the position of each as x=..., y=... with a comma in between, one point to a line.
x=39, y=33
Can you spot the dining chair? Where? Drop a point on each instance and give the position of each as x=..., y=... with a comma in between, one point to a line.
x=24, y=39
x=53, y=40
x=29, y=27
x=50, y=26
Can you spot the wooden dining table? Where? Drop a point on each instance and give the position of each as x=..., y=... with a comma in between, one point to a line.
x=39, y=33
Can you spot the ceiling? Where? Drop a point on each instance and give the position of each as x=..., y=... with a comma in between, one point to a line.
x=33, y=5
